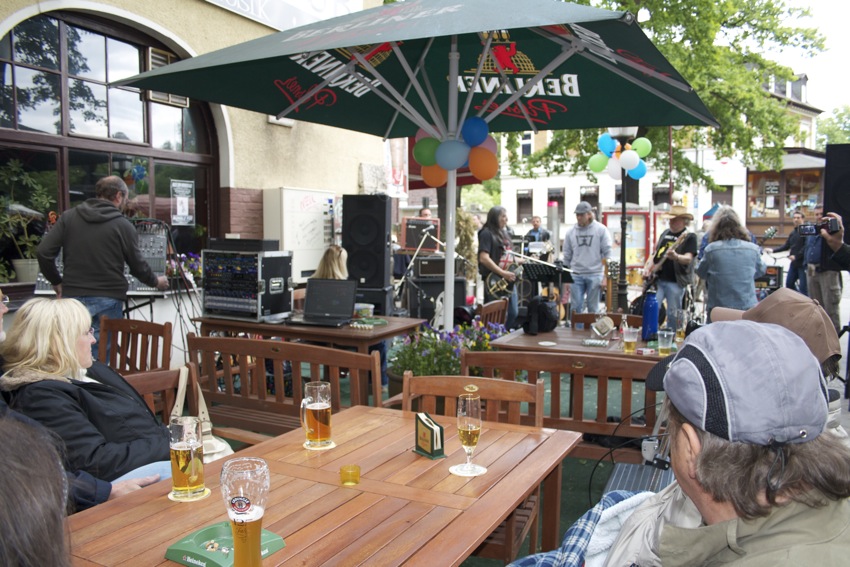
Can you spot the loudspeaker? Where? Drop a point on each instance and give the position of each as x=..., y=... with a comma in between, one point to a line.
x=431, y=289
x=836, y=183
x=366, y=238
x=381, y=298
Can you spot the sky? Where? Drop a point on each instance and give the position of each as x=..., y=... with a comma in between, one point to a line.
x=828, y=72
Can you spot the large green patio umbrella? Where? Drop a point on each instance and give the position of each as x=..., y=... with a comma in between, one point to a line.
x=431, y=64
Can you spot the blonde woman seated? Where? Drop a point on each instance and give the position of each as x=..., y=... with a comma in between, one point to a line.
x=334, y=266
x=50, y=377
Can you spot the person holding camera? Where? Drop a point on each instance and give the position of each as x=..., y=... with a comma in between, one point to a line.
x=823, y=272
x=796, y=247
x=835, y=240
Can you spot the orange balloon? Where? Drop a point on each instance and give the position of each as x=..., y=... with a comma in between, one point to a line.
x=434, y=175
x=483, y=163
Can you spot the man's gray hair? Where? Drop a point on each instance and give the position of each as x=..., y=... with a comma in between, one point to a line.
x=108, y=187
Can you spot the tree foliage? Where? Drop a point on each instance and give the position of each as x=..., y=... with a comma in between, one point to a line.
x=834, y=129
x=723, y=50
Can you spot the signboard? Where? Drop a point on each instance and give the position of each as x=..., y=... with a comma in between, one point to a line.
x=182, y=203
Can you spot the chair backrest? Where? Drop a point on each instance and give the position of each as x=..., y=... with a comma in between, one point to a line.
x=616, y=375
x=495, y=311
x=267, y=376
x=617, y=318
x=137, y=346
x=159, y=390
x=501, y=399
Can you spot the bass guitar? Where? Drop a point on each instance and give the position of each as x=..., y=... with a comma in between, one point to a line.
x=500, y=287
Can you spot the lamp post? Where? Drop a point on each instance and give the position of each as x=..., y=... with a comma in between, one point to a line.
x=623, y=134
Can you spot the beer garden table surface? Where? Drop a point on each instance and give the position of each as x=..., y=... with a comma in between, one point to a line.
x=407, y=509
x=565, y=340
x=361, y=339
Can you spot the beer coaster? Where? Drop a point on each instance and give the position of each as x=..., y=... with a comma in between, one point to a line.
x=547, y=343
x=325, y=448
x=201, y=496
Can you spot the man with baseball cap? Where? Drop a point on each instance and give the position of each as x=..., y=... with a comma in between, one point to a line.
x=672, y=265
x=586, y=246
x=757, y=483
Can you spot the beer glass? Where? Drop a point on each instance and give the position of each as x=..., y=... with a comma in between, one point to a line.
x=630, y=339
x=245, y=488
x=665, y=341
x=316, y=415
x=469, y=430
x=187, y=458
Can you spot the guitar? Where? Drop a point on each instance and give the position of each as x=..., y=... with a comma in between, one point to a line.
x=550, y=292
x=768, y=234
x=500, y=287
x=652, y=275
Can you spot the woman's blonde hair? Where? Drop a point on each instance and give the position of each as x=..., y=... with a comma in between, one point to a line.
x=333, y=265
x=43, y=336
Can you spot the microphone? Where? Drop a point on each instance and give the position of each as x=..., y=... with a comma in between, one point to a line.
x=427, y=228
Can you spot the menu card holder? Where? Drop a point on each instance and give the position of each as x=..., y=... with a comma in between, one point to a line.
x=213, y=546
x=429, y=437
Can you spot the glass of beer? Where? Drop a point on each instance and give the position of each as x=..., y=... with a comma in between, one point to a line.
x=665, y=341
x=316, y=415
x=630, y=338
x=187, y=458
x=469, y=431
x=681, y=326
x=245, y=488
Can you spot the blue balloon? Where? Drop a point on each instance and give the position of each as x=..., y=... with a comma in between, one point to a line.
x=474, y=131
x=452, y=154
x=638, y=171
x=606, y=144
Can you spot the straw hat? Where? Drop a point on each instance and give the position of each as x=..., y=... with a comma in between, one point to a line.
x=677, y=211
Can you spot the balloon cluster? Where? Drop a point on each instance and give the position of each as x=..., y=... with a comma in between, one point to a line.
x=615, y=158
x=477, y=149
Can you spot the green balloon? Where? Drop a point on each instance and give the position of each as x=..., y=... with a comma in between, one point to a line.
x=642, y=146
x=425, y=151
x=597, y=162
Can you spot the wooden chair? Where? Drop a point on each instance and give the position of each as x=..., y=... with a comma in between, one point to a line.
x=500, y=401
x=162, y=385
x=604, y=372
x=137, y=346
x=495, y=311
x=617, y=318
x=236, y=374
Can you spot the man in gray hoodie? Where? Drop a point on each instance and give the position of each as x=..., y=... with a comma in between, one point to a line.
x=96, y=239
x=586, y=246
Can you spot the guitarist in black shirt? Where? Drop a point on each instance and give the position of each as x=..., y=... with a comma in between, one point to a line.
x=494, y=260
x=672, y=265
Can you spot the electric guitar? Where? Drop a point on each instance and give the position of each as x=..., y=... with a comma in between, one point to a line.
x=498, y=286
x=652, y=274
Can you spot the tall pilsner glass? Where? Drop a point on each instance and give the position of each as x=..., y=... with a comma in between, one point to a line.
x=245, y=488
x=469, y=430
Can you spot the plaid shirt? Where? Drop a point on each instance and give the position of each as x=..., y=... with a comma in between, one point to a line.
x=573, y=548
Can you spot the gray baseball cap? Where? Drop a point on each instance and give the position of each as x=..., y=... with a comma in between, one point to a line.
x=583, y=207
x=746, y=382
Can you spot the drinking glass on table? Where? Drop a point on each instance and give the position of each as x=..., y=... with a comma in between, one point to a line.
x=469, y=431
x=316, y=415
x=187, y=458
x=245, y=488
x=665, y=341
x=630, y=339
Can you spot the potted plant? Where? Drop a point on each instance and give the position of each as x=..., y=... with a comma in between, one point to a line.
x=429, y=351
x=22, y=222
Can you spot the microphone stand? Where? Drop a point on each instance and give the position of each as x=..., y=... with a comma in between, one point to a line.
x=419, y=292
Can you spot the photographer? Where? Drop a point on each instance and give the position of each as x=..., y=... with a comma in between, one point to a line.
x=835, y=240
x=823, y=273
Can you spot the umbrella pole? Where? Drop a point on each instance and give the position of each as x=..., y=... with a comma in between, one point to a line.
x=451, y=194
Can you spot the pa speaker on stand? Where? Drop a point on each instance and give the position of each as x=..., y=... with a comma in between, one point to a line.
x=366, y=237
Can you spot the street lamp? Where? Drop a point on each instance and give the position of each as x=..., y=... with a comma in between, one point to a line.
x=623, y=134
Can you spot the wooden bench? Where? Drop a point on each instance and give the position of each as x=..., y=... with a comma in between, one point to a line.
x=245, y=407
x=579, y=370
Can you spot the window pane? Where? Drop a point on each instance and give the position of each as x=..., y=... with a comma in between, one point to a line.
x=7, y=99
x=37, y=42
x=87, y=108
x=122, y=60
x=167, y=129
x=126, y=115
x=38, y=101
x=186, y=238
x=134, y=171
x=6, y=47
x=84, y=170
x=86, y=54
x=195, y=138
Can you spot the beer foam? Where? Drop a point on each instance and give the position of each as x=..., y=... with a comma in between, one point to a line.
x=318, y=406
x=253, y=514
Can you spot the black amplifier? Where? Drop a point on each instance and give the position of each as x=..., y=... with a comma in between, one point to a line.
x=246, y=285
x=434, y=267
x=769, y=282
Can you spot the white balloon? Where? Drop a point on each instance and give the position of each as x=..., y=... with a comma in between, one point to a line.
x=629, y=159
x=614, y=169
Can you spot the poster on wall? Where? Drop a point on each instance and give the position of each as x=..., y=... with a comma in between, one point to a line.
x=182, y=203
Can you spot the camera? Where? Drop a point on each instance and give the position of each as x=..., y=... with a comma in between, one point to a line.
x=811, y=229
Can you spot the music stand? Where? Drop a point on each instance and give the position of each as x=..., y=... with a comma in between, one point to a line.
x=546, y=273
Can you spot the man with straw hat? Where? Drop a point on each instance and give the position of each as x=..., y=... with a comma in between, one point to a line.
x=672, y=265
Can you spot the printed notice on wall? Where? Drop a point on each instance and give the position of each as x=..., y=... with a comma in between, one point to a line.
x=182, y=203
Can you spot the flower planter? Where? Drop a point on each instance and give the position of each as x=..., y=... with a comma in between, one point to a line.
x=26, y=270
